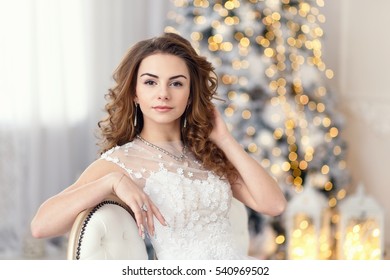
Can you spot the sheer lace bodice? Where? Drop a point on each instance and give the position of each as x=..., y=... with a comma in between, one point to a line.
x=195, y=202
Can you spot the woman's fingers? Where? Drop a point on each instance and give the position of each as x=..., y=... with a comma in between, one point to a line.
x=153, y=211
x=143, y=213
x=138, y=216
x=147, y=217
x=158, y=214
x=141, y=205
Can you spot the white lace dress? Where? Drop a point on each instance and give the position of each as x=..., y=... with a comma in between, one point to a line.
x=195, y=202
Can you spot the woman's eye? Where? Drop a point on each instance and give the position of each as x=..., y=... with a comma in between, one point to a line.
x=149, y=82
x=177, y=84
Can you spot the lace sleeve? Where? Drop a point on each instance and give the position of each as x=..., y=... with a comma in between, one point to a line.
x=114, y=155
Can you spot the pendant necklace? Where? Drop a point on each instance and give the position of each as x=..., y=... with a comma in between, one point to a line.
x=177, y=158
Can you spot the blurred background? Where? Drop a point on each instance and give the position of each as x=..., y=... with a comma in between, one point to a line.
x=305, y=84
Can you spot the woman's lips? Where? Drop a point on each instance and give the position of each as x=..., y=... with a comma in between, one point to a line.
x=162, y=108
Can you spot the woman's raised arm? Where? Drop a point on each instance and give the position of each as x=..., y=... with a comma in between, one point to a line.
x=254, y=186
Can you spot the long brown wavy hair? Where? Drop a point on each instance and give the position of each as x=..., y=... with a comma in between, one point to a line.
x=117, y=128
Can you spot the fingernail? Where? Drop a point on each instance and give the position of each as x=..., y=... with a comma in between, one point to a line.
x=141, y=227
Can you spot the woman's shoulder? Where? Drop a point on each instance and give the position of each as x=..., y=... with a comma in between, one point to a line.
x=119, y=150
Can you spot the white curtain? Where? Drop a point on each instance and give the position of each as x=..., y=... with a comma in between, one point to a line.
x=56, y=63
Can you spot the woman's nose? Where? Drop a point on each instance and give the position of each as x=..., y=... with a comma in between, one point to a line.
x=164, y=93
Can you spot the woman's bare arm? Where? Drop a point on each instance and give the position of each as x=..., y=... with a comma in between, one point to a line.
x=100, y=180
x=254, y=187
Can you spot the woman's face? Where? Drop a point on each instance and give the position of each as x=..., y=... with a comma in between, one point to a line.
x=163, y=89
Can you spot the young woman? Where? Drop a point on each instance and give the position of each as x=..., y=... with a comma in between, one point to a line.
x=168, y=155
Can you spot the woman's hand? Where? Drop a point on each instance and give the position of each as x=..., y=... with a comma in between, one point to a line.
x=220, y=132
x=139, y=202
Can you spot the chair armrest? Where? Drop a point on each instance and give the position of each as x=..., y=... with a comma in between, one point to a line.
x=106, y=231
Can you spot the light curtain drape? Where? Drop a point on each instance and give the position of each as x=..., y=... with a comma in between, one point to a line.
x=56, y=62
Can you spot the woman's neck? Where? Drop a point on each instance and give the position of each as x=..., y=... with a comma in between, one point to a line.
x=161, y=135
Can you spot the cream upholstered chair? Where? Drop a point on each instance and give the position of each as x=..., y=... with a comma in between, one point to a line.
x=109, y=231
x=106, y=231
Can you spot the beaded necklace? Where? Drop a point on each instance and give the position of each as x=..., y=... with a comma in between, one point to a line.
x=177, y=158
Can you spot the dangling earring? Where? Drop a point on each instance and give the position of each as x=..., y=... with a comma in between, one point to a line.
x=136, y=113
x=185, y=117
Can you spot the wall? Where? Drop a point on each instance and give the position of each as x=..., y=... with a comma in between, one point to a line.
x=356, y=47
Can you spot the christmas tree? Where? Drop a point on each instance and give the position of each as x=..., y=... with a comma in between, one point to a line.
x=268, y=56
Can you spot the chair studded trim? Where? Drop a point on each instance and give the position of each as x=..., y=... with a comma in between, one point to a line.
x=107, y=231
x=88, y=218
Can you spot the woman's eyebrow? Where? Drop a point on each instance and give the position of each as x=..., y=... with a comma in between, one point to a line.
x=178, y=76
x=148, y=74
x=171, y=78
